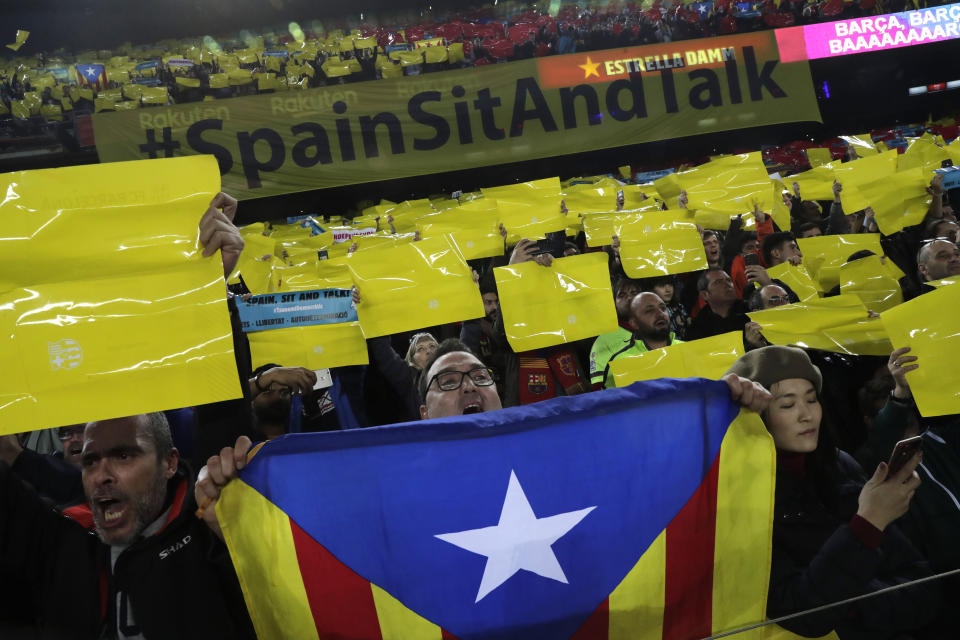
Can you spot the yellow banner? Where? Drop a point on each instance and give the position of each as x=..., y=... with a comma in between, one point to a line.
x=137, y=321
x=367, y=131
x=545, y=306
x=928, y=325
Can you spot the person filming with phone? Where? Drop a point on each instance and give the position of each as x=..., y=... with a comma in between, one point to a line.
x=833, y=531
x=933, y=520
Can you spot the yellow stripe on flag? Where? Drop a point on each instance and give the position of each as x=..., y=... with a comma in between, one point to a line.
x=399, y=623
x=636, y=605
x=744, y=525
x=261, y=545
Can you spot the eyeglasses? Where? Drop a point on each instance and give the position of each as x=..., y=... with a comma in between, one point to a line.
x=451, y=380
x=778, y=300
x=65, y=433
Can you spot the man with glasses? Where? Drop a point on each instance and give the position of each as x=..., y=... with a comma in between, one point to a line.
x=71, y=438
x=456, y=383
x=767, y=297
x=55, y=476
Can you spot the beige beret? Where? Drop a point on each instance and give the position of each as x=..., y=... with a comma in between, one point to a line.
x=769, y=365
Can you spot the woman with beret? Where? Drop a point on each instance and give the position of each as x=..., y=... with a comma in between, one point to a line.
x=833, y=536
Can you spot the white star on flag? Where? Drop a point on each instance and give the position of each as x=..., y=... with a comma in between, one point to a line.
x=518, y=541
x=92, y=72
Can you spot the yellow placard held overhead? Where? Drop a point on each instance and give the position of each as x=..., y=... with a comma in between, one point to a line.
x=823, y=255
x=840, y=324
x=929, y=325
x=19, y=41
x=730, y=184
x=600, y=228
x=866, y=169
x=412, y=286
x=862, y=144
x=706, y=358
x=545, y=306
x=529, y=209
x=138, y=322
x=665, y=249
x=818, y=156
x=796, y=278
x=898, y=200
x=316, y=347
x=472, y=241
x=720, y=220
x=875, y=280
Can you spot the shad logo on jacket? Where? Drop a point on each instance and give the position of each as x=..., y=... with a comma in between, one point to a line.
x=64, y=354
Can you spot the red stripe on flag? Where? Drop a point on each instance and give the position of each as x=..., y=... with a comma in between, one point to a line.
x=597, y=625
x=341, y=601
x=688, y=588
x=446, y=635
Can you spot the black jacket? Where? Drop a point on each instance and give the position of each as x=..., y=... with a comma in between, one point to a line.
x=179, y=582
x=817, y=560
x=933, y=521
x=403, y=378
x=707, y=323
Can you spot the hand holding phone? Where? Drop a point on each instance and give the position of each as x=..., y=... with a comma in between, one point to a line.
x=903, y=452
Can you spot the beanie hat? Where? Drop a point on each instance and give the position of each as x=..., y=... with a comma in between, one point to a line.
x=769, y=365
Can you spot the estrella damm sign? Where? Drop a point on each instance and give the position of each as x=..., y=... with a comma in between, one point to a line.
x=613, y=64
x=300, y=140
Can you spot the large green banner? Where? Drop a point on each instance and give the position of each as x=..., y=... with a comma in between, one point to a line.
x=299, y=140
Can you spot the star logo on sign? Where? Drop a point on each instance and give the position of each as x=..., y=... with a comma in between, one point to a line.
x=520, y=540
x=434, y=304
x=590, y=68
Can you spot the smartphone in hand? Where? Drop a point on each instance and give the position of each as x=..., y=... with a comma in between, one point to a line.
x=903, y=452
x=751, y=260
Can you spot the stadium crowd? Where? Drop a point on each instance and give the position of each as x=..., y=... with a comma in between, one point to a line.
x=113, y=532
x=846, y=523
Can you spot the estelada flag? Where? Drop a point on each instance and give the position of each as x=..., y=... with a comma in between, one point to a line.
x=642, y=512
x=92, y=75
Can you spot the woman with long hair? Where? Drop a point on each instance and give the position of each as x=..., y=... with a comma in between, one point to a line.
x=833, y=536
